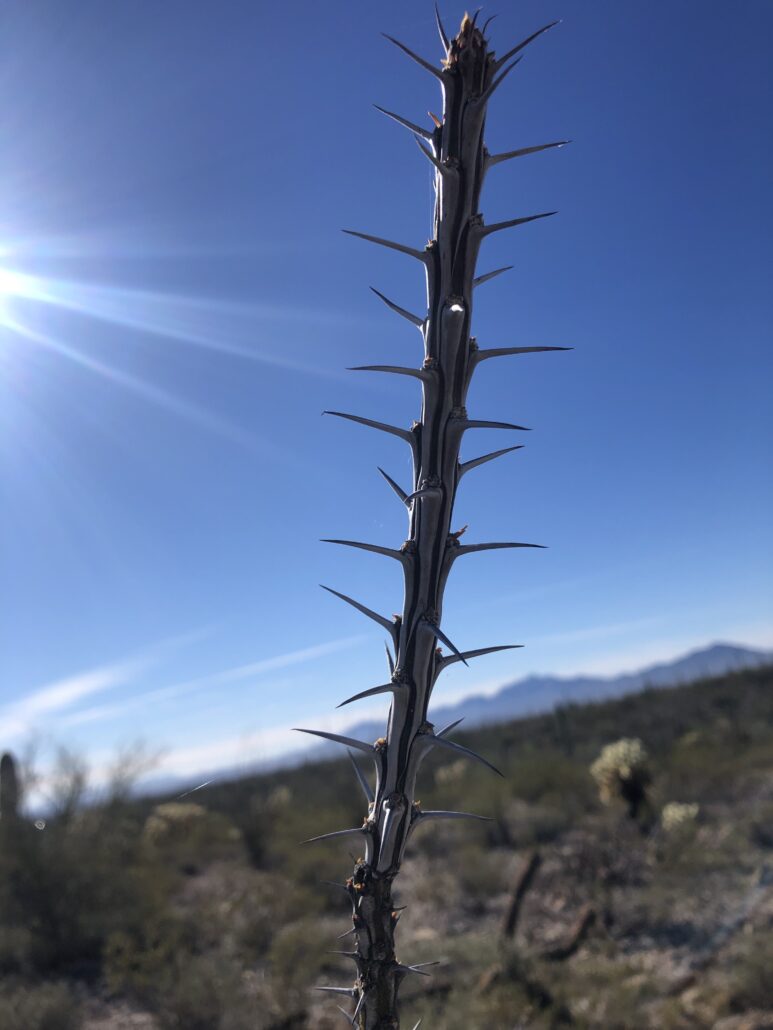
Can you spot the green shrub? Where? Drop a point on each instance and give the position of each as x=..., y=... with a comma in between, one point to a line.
x=41, y=1007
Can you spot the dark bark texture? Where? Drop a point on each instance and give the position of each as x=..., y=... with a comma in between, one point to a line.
x=468, y=76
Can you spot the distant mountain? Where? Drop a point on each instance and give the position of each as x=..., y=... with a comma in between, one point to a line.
x=536, y=694
x=528, y=696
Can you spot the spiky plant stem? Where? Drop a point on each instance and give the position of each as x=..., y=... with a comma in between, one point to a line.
x=469, y=75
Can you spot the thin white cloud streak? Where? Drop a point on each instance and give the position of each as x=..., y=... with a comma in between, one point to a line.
x=237, y=673
x=257, y=746
x=19, y=717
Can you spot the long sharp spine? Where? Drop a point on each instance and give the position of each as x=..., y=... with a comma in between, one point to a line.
x=380, y=619
x=411, y=126
x=408, y=315
x=389, y=244
x=415, y=57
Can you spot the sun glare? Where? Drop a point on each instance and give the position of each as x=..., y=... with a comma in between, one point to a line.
x=11, y=284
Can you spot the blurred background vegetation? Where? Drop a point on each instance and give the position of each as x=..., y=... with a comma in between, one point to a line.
x=625, y=880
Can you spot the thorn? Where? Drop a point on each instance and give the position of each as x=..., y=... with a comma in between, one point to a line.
x=490, y=275
x=405, y=970
x=477, y=653
x=424, y=133
x=485, y=97
x=452, y=815
x=398, y=490
x=449, y=727
x=417, y=1025
x=344, y=954
x=348, y=933
x=425, y=492
x=435, y=119
x=356, y=831
x=338, y=990
x=457, y=552
x=404, y=434
x=441, y=636
x=390, y=659
x=442, y=32
x=358, y=745
x=461, y=749
x=487, y=230
x=399, y=370
x=443, y=169
x=385, y=688
x=413, y=319
x=357, y=1008
x=411, y=251
x=495, y=159
x=477, y=423
x=389, y=552
x=415, y=57
x=486, y=24
x=465, y=466
x=332, y=883
x=380, y=619
x=525, y=43
x=501, y=352
x=343, y=1012
x=360, y=777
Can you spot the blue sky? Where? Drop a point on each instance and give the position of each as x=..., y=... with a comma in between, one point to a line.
x=178, y=305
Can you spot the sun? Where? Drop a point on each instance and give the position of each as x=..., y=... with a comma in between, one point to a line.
x=12, y=284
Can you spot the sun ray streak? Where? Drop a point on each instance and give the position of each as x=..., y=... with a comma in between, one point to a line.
x=224, y=327
x=147, y=391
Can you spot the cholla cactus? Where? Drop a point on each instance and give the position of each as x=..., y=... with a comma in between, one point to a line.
x=469, y=75
x=187, y=835
x=677, y=816
x=622, y=773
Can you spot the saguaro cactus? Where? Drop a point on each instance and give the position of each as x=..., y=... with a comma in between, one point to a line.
x=469, y=75
x=9, y=788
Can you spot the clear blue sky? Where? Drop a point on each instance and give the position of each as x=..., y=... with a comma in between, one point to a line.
x=177, y=306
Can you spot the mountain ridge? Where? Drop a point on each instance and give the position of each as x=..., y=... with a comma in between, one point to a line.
x=534, y=694
x=527, y=696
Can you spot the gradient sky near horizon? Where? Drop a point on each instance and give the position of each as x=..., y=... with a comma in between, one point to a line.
x=178, y=305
